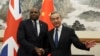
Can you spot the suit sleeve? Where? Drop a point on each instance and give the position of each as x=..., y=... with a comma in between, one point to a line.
x=21, y=38
x=77, y=43
x=46, y=42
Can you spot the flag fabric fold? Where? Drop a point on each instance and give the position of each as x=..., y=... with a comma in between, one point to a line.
x=46, y=9
x=14, y=16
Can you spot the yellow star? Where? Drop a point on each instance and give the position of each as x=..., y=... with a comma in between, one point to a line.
x=43, y=14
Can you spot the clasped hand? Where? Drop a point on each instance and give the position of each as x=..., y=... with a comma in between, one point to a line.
x=39, y=51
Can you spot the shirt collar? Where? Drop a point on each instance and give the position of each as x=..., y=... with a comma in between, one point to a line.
x=59, y=28
x=37, y=21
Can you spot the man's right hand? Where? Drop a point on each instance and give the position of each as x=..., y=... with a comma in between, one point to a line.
x=39, y=51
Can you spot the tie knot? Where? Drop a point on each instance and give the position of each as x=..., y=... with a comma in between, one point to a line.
x=34, y=21
x=56, y=29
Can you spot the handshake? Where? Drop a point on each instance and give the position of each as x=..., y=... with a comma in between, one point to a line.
x=39, y=51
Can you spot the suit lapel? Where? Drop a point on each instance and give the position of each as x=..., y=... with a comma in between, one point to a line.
x=51, y=38
x=62, y=36
x=31, y=26
x=41, y=30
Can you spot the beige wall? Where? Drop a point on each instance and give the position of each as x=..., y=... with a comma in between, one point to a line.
x=1, y=33
x=95, y=50
x=0, y=45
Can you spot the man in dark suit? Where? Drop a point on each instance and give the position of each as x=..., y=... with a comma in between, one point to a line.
x=61, y=38
x=32, y=35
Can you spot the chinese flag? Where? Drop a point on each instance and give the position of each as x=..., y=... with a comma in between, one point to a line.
x=14, y=16
x=47, y=8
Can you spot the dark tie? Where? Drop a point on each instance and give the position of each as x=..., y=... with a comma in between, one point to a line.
x=56, y=37
x=35, y=26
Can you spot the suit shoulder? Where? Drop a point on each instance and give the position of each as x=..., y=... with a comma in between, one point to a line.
x=51, y=30
x=68, y=28
x=24, y=21
x=43, y=23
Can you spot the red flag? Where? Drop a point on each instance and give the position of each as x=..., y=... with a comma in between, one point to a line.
x=14, y=16
x=47, y=8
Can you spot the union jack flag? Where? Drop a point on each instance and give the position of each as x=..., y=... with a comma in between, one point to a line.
x=14, y=16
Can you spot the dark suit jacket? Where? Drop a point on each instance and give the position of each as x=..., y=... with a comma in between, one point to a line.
x=27, y=39
x=67, y=37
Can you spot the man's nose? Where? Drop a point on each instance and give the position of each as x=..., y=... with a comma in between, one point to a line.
x=56, y=20
x=33, y=13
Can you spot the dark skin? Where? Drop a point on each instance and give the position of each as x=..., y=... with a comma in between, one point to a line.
x=34, y=15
